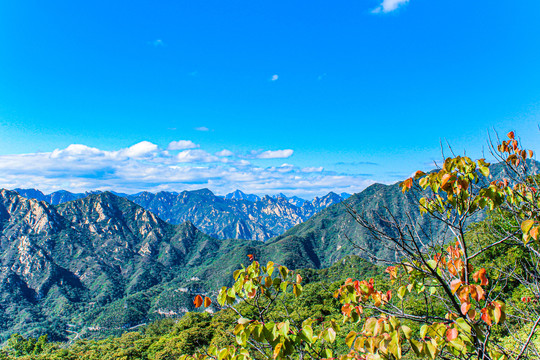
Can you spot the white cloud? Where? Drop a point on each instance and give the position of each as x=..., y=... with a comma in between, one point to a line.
x=312, y=169
x=202, y=128
x=142, y=149
x=144, y=166
x=275, y=154
x=389, y=5
x=76, y=150
x=274, y=77
x=225, y=153
x=182, y=145
x=190, y=156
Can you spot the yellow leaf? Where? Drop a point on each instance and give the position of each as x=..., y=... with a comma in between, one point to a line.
x=526, y=225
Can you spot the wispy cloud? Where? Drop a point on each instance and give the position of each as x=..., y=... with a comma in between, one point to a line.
x=202, y=128
x=274, y=77
x=225, y=153
x=182, y=145
x=157, y=43
x=357, y=163
x=192, y=156
x=146, y=166
x=275, y=154
x=389, y=5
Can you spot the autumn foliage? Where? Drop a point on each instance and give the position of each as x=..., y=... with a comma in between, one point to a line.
x=462, y=302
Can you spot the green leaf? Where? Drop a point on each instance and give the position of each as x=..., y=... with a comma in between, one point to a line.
x=401, y=292
x=417, y=347
x=431, y=350
x=270, y=268
x=432, y=264
x=283, y=271
x=308, y=332
x=406, y=331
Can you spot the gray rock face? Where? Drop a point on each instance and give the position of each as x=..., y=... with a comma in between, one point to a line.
x=99, y=249
x=237, y=216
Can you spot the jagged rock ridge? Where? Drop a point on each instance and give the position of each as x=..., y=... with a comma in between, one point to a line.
x=235, y=216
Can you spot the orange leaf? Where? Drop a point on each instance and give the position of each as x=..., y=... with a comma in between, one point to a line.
x=454, y=285
x=418, y=174
x=406, y=185
x=298, y=278
x=511, y=135
x=480, y=275
x=198, y=301
x=251, y=257
x=445, y=179
x=534, y=233
x=451, y=334
x=498, y=311
x=480, y=293
x=485, y=316
x=207, y=301
x=252, y=293
x=346, y=310
x=465, y=307
x=531, y=153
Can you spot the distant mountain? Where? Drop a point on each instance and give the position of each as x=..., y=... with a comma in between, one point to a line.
x=55, y=198
x=104, y=262
x=296, y=201
x=92, y=261
x=345, y=195
x=239, y=195
x=237, y=216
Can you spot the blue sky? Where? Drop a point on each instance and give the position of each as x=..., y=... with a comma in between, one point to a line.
x=305, y=97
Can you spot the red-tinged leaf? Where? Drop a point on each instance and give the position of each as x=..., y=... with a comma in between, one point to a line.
x=251, y=257
x=472, y=314
x=207, y=301
x=346, y=310
x=454, y=285
x=451, y=334
x=298, y=278
x=534, y=233
x=406, y=185
x=252, y=293
x=392, y=271
x=485, y=316
x=465, y=307
x=418, y=174
x=498, y=311
x=445, y=179
x=480, y=293
x=198, y=301
x=480, y=275
x=511, y=135
x=531, y=153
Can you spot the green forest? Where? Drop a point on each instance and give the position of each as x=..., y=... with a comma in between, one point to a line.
x=470, y=293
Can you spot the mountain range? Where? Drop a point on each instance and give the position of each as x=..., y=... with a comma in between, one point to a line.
x=234, y=216
x=103, y=263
